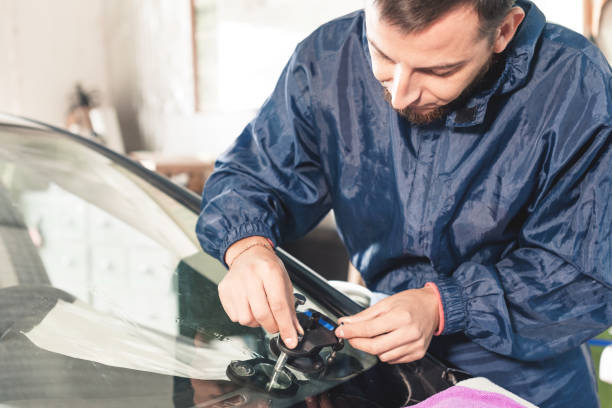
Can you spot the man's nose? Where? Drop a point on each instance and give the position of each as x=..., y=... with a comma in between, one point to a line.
x=405, y=91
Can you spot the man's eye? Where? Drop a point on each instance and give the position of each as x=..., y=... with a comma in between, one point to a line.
x=441, y=73
x=380, y=56
x=383, y=58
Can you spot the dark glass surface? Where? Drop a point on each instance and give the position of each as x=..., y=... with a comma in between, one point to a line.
x=107, y=300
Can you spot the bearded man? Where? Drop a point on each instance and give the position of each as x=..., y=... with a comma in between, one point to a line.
x=465, y=149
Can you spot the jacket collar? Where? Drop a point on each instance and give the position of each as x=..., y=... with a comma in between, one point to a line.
x=518, y=56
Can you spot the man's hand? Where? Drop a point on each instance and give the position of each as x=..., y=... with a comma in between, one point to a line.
x=257, y=291
x=398, y=329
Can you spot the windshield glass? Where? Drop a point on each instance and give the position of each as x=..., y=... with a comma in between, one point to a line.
x=105, y=294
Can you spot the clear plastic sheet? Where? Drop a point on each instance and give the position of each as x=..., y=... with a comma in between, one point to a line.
x=79, y=331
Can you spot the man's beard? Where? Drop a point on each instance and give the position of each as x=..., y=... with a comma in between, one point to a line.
x=418, y=118
x=483, y=77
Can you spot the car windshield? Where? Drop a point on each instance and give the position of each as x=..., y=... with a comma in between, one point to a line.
x=107, y=298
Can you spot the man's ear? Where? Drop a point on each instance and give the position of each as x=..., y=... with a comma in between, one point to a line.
x=507, y=29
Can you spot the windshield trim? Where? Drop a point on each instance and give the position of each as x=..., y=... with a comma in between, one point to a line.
x=182, y=195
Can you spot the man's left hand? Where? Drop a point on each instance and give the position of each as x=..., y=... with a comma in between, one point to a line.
x=397, y=329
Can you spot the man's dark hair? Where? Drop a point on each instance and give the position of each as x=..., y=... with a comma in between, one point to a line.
x=416, y=15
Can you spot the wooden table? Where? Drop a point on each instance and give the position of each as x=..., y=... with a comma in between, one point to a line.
x=188, y=171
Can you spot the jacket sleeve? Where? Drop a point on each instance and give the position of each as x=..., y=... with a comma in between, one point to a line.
x=269, y=182
x=553, y=291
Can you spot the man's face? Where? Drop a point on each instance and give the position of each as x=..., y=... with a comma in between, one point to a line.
x=423, y=72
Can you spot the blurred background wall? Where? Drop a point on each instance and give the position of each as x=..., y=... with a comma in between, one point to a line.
x=139, y=57
x=48, y=46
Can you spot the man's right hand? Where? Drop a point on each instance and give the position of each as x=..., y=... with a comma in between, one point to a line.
x=257, y=291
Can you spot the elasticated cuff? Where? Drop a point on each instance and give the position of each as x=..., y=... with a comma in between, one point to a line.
x=453, y=303
x=245, y=230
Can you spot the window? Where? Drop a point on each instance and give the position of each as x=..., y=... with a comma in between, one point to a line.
x=241, y=46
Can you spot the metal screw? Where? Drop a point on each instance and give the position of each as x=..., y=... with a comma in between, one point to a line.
x=299, y=300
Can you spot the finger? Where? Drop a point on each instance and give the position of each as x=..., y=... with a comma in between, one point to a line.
x=282, y=310
x=366, y=328
x=261, y=309
x=406, y=353
x=397, y=354
x=226, y=302
x=367, y=314
x=298, y=326
x=415, y=356
x=243, y=310
x=380, y=344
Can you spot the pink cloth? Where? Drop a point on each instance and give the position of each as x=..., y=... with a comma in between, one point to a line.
x=463, y=397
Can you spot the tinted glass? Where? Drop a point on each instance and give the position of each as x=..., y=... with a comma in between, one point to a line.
x=106, y=297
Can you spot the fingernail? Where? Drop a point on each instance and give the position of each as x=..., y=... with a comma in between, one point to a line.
x=290, y=343
x=339, y=332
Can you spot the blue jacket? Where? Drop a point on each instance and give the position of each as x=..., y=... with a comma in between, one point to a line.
x=505, y=204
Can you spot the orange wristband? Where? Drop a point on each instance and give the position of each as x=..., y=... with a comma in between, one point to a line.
x=440, y=308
